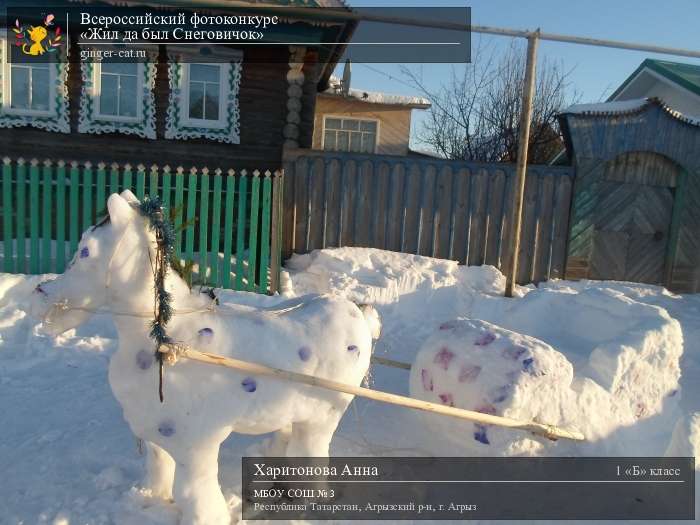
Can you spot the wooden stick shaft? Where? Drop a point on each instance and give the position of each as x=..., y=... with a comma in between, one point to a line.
x=547, y=431
x=516, y=210
x=376, y=360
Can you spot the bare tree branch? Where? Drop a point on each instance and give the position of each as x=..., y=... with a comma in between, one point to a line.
x=476, y=114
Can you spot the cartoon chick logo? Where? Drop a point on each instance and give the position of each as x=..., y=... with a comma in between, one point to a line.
x=31, y=38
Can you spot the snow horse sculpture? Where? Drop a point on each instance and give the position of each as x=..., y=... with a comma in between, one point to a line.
x=329, y=337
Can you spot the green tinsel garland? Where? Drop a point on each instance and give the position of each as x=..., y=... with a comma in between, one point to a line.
x=152, y=209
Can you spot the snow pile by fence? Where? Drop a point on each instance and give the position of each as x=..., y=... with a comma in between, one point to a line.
x=609, y=361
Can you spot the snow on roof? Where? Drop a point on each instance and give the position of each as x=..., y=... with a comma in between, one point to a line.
x=620, y=106
x=376, y=97
x=627, y=107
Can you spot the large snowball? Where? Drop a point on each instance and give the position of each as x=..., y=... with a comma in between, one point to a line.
x=478, y=366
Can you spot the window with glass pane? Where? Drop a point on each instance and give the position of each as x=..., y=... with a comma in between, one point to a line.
x=119, y=87
x=204, y=91
x=350, y=135
x=30, y=87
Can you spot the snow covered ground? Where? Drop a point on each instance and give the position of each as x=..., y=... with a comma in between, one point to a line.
x=67, y=457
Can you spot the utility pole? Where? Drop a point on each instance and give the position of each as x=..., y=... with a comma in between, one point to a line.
x=516, y=205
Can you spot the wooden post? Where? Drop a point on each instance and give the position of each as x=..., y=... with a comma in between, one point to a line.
x=516, y=206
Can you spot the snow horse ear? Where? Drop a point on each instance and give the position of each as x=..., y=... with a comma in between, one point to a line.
x=120, y=211
x=129, y=197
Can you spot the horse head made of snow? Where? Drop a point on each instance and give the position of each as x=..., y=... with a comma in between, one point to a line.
x=324, y=336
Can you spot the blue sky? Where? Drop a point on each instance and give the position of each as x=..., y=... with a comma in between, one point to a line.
x=596, y=71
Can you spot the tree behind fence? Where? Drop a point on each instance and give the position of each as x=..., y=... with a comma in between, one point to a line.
x=227, y=224
x=446, y=209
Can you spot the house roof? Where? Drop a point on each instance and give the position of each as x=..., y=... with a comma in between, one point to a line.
x=685, y=75
x=627, y=107
x=376, y=97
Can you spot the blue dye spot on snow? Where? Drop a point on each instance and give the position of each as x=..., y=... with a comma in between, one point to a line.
x=514, y=352
x=485, y=339
x=501, y=394
x=166, y=428
x=480, y=434
x=249, y=384
x=144, y=359
x=353, y=348
x=205, y=333
x=84, y=252
x=304, y=353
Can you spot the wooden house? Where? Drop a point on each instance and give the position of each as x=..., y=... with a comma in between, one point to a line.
x=676, y=83
x=258, y=98
x=358, y=121
x=202, y=127
x=636, y=202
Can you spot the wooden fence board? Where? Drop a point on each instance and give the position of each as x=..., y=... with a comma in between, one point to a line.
x=253, y=237
x=34, y=218
x=447, y=209
x=363, y=210
x=347, y=204
x=215, y=225
x=301, y=219
x=317, y=207
x=443, y=213
x=228, y=229
x=504, y=255
x=114, y=179
x=460, y=234
x=179, y=210
x=240, y=227
x=265, y=231
x=289, y=209
x=47, y=209
x=380, y=205
x=74, y=219
x=101, y=191
x=61, y=202
x=203, y=220
x=8, y=236
x=60, y=217
x=412, y=202
x=190, y=217
x=543, y=235
x=427, y=212
x=494, y=217
x=21, y=203
x=562, y=206
x=395, y=215
x=333, y=191
x=477, y=223
x=529, y=229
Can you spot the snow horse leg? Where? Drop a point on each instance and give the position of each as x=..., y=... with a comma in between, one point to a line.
x=196, y=489
x=160, y=472
x=277, y=445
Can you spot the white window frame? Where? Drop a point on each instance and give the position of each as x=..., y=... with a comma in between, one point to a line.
x=220, y=123
x=97, y=83
x=349, y=117
x=7, y=89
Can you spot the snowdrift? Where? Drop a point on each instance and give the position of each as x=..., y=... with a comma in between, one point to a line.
x=69, y=457
x=609, y=360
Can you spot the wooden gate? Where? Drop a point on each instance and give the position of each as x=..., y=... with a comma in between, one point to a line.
x=633, y=220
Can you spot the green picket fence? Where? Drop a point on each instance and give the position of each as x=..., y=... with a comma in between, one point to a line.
x=227, y=224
